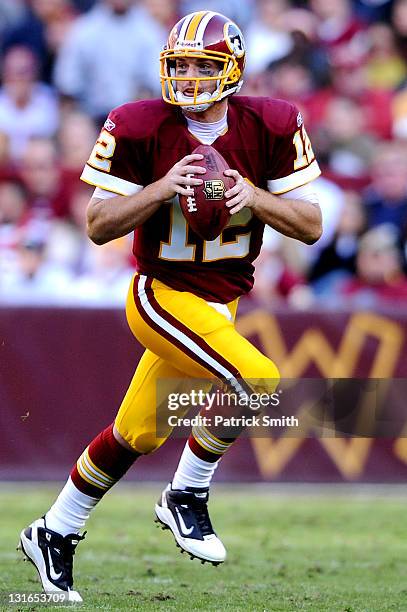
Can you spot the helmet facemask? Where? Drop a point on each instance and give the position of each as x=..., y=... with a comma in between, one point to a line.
x=227, y=79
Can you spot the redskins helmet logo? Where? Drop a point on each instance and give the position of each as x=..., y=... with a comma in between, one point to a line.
x=234, y=39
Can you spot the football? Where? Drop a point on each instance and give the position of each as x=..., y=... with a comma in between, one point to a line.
x=205, y=209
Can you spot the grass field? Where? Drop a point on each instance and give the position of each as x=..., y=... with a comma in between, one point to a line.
x=329, y=552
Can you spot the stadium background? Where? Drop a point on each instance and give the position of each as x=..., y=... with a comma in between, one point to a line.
x=338, y=308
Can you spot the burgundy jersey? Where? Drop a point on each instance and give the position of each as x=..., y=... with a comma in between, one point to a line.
x=265, y=141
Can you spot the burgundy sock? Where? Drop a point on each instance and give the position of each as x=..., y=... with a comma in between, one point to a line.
x=102, y=464
x=208, y=442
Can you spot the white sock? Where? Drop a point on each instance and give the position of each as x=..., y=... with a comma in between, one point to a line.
x=70, y=510
x=193, y=471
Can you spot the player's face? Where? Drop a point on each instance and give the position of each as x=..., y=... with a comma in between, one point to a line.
x=194, y=68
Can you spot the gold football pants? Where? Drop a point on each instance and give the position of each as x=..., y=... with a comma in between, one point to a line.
x=184, y=337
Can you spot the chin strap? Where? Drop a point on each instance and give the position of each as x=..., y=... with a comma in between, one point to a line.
x=201, y=101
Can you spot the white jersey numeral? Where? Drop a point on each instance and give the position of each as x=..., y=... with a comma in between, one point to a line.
x=238, y=248
x=103, y=151
x=303, y=147
x=178, y=249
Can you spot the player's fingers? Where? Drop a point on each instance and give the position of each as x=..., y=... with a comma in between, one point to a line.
x=190, y=158
x=237, y=188
x=233, y=201
x=193, y=170
x=190, y=180
x=184, y=190
x=233, y=173
x=236, y=209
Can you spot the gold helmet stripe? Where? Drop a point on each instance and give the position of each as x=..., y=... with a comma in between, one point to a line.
x=194, y=24
x=186, y=21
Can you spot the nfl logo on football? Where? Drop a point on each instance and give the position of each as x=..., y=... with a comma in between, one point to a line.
x=214, y=190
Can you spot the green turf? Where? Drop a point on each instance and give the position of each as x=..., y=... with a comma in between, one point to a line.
x=286, y=552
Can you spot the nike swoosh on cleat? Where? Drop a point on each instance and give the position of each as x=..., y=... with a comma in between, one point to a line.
x=52, y=573
x=184, y=529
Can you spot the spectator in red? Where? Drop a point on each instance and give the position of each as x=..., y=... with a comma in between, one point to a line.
x=40, y=171
x=291, y=79
x=345, y=144
x=350, y=80
x=339, y=26
x=379, y=280
x=279, y=279
x=345, y=38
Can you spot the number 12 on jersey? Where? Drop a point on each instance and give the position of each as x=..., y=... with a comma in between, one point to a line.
x=179, y=249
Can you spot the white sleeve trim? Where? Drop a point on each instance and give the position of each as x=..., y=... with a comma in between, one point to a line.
x=305, y=192
x=297, y=179
x=110, y=183
x=103, y=194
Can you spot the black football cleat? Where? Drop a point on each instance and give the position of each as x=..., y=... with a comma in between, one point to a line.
x=186, y=514
x=52, y=555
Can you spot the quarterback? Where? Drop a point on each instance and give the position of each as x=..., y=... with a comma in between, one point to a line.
x=182, y=301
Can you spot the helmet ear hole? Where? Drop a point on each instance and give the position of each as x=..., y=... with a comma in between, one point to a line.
x=234, y=75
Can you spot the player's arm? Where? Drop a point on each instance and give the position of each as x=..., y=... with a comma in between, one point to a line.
x=111, y=218
x=296, y=218
x=290, y=166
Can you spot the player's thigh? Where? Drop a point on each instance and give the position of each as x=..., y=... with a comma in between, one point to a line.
x=142, y=419
x=260, y=373
x=195, y=337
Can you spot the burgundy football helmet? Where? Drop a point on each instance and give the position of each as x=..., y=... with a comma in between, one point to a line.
x=204, y=35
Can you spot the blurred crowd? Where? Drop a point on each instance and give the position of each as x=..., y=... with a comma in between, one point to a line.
x=65, y=63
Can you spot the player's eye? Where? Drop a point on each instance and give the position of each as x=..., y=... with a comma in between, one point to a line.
x=206, y=69
x=181, y=67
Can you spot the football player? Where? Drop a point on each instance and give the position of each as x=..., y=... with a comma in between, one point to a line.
x=182, y=301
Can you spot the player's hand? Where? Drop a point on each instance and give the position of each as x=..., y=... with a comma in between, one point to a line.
x=178, y=179
x=241, y=194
